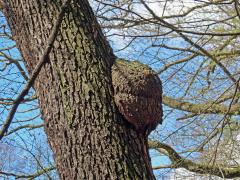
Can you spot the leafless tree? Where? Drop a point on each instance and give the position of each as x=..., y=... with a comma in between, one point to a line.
x=194, y=47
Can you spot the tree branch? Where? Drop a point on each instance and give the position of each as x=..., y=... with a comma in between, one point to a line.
x=177, y=62
x=27, y=126
x=14, y=61
x=206, y=108
x=180, y=162
x=30, y=176
x=204, y=51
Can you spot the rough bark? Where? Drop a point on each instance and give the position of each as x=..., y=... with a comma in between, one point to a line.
x=88, y=136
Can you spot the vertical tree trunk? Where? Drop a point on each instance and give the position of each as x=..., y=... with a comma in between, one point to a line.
x=89, y=138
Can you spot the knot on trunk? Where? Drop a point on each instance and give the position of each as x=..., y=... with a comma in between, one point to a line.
x=137, y=94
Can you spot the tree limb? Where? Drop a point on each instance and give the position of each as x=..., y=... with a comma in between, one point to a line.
x=180, y=162
x=206, y=108
x=30, y=176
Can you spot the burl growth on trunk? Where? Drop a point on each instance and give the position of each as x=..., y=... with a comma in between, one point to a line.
x=137, y=94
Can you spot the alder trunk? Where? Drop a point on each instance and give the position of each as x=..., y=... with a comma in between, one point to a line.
x=88, y=136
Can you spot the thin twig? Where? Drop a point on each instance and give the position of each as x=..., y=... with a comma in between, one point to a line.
x=204, y=51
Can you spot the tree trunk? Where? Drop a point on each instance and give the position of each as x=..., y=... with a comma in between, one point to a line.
x=88, y=136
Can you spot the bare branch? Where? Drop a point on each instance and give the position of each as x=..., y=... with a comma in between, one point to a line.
x=27, y=126
x=14, y=61
x=179, y=32
x=181, y=162
x=30, y=176
x=176, y=62
x=206, y=108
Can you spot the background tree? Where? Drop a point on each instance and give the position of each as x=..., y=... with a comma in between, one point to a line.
x=194, y=47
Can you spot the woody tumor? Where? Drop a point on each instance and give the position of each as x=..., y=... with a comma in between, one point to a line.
x=137, y=94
